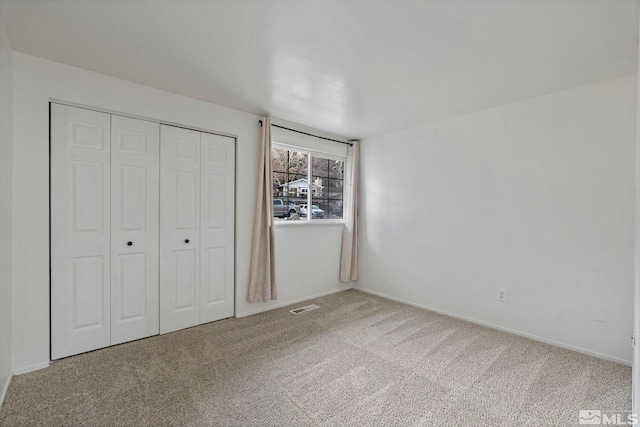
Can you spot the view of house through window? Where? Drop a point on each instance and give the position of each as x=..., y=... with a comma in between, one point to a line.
x=306, y=184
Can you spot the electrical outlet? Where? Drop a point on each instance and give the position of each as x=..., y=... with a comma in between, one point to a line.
x=601, y=314
x=502, y=294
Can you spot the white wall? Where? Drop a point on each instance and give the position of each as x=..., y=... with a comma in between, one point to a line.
x=536, y=197
x=5, y=209
x=36, y=81
x=635, y=379
x=307, y=263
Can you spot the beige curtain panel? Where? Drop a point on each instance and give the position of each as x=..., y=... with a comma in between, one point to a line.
x=349, y=255
x=262, y=283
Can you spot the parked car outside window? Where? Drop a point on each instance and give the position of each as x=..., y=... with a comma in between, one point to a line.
x=316, y=212
x=282, y=209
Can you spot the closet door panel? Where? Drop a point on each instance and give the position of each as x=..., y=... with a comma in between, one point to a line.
x=135, y=204
x=179, y=228
x=217, y=230
x=80, y=230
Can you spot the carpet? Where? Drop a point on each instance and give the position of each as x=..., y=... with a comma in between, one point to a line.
x=358, y=360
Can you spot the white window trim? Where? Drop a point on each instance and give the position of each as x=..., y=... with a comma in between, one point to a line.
x=309, y=220
x=315, y=223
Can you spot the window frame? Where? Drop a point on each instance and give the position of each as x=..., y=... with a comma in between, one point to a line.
x=309, y=220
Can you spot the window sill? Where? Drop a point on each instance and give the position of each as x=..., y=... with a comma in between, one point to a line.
x=312, y=223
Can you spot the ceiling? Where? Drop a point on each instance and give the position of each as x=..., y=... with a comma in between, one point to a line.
x=352, y=67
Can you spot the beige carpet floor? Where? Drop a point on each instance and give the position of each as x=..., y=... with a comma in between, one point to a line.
x=359, y=360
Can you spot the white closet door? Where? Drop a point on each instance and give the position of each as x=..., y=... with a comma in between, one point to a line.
x=217, y=227
x=80, y=230
x=179, y=228
x=135, y=204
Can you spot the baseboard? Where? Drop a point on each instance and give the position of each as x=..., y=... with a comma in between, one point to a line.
x=295, y=301
x=31, y=368
x=501, y=328
x=635, y=404
x=5, y=389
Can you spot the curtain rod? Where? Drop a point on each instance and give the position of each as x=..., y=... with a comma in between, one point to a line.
x=310, y=134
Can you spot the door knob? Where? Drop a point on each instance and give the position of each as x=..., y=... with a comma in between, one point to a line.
x=186, y=240
x=129, y=243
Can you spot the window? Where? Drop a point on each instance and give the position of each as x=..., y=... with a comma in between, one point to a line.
x=303, y=178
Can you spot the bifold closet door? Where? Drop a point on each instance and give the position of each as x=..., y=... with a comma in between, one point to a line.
x=179, y=228
x=197, y=226
x=80, y=230
x=135, y=204
x=104, y=230
x=217, y=227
